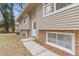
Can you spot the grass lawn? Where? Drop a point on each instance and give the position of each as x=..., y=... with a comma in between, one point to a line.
x=10, y=45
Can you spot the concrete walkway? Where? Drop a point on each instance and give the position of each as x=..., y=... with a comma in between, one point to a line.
x=36, y=49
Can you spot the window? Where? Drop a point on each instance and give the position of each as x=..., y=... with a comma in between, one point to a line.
x=61, y=5
x=52, y=7
x=64, y=41
x=26, y=19
x=34, y=25
x=49, y=8
x=52, y=37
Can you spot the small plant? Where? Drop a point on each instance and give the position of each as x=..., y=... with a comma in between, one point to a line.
x=18, y=33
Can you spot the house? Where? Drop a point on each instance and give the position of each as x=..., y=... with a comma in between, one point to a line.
x=55, y=25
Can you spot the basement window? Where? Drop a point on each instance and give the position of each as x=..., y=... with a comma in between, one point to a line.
x=64, y=41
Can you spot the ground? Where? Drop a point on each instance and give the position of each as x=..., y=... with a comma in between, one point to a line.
x=10, y=45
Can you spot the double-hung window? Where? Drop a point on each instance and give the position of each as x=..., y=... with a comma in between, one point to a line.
x=49, y=8
x=64, y=41
x=26, y=19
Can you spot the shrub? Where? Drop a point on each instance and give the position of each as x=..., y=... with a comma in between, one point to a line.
x=18, y=33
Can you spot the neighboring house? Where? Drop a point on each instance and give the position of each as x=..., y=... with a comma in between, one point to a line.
x=17, y=27
x=55, y=25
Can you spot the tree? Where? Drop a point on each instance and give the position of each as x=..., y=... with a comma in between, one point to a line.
x=20, y=5
x=4, y=13
x=7, y=13
x=11, y=18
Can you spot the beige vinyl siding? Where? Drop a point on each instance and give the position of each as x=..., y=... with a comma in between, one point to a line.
x=67, y=19
x=33, y=14
x=39, y=11
x=24, y=25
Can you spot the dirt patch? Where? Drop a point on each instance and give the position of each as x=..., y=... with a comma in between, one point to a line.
x=10, y=45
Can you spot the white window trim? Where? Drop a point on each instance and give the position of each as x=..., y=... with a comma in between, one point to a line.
x=60, y=47
x=59, y=10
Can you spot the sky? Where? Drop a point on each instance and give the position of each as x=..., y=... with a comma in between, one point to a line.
x=16, y=13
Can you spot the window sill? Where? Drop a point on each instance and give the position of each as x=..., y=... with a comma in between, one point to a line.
x=62, y=48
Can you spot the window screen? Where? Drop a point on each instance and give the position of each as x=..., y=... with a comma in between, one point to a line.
x=61, y=5
x=63, y=40
x=49, y=8
x=52, y=38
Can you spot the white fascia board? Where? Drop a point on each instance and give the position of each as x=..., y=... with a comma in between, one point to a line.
x=23, y=10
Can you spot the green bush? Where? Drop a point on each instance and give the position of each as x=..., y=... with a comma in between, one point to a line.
x=18, y=33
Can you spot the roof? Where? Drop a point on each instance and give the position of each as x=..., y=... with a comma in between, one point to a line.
x=26, y=10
